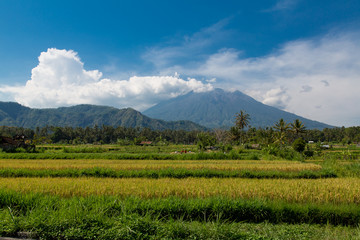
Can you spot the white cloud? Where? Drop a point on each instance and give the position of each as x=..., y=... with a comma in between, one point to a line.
x=293, y=77
x=61, y=80
x=276, y=97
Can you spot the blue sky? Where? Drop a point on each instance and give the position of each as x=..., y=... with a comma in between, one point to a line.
x=298, y=55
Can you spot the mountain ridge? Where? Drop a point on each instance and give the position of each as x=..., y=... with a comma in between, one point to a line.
x=84, y=115
x=217, y=108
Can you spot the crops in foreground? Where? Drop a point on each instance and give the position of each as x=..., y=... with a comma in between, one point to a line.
x=335, y=191
x=164, y=173
x=230, y=165
x=51, y=217
x=134, y=156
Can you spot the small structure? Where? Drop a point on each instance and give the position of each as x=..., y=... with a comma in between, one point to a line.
x=10, y=144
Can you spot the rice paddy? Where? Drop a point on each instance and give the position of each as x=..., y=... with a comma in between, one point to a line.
x=255, y=165
x=336, y=191
x=49, y=196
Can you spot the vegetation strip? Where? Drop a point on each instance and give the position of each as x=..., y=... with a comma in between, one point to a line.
x=133, y=156
x=229, y=165
x=16, y=206
x=330, y=190
x=164, y=173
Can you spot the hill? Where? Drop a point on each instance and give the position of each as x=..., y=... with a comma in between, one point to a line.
x=217, y=108
x=14, y=114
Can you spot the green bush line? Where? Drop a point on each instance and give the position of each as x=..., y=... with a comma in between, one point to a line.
x=164, y=173
x=131, y=156
x=203, y=210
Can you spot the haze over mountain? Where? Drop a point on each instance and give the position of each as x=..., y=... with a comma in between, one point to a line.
x=217, y=108
x=14, y=114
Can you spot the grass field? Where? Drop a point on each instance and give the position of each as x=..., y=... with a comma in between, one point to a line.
x=114, y=192
x=255, y=165
x=336, y=191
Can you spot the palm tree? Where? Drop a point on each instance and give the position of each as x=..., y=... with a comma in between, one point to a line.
x=241, y=122
x=282, y=128
x=298, y=127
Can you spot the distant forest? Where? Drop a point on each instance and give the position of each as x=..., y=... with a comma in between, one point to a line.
x=128, y=136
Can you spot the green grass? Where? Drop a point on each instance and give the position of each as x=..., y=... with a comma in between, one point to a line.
x=50, y=217
x=165, y=173
x=132, y=156
x=110, y=217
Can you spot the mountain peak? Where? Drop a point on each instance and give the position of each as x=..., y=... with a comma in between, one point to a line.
x=217, y=108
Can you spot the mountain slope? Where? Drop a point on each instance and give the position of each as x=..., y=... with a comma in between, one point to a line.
x=14, y=114
x=218, y=108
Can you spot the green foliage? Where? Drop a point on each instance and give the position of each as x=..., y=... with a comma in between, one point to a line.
x=205, y=141
x=84, y=150
x=166, y=173
x=106, y=217
x=129, y=156
x=285, y=153
x=299, y=145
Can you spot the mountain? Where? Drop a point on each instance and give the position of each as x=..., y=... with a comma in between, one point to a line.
x=217, y=108
x=14, y=114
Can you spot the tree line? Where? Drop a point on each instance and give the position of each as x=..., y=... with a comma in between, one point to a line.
x=241, y=133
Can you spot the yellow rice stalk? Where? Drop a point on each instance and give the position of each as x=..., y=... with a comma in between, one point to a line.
x=161, y=164
x=345, y=190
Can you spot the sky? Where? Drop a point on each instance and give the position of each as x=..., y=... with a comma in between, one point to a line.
x=301, y=56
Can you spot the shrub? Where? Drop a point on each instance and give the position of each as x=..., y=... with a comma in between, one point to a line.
x=299, y=145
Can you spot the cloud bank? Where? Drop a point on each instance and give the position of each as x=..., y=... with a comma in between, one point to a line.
x=61, y=80
x=315, y=78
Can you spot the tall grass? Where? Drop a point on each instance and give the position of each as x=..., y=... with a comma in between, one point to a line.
x=164, y=173
x=132, y=156
x=252, y=165
x=330, y=190
x=34, y=211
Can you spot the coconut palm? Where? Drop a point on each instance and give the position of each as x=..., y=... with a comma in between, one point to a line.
x=282, y=127
x=298, y=127
x=242, y=120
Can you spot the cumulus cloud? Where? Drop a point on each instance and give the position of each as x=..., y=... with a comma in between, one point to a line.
x=61, y=80
x=276, y=97
x=282, y=77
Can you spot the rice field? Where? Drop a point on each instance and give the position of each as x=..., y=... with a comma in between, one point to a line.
x=68, y=194
x=335, y=191
x=231, y=165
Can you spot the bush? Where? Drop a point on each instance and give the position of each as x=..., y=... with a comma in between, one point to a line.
x=299, y=145
x=308, y=153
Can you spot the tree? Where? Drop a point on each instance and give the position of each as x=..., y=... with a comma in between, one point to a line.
x=242, y=120
x=282, y=127
x=299, y=145
x=298, y=127
x=205, y=140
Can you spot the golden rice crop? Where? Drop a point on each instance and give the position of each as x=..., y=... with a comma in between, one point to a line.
x=160, y=164
x=345, y=190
